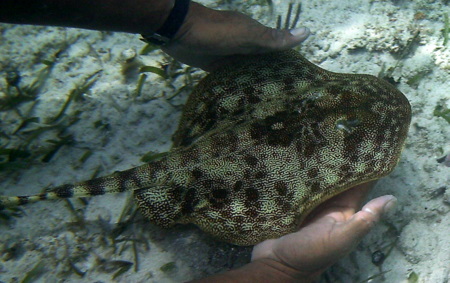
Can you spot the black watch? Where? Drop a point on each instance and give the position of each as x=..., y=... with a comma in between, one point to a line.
x=170, y=27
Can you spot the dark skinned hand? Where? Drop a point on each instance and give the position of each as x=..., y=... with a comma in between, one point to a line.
x=330, y=233
x=208, y=37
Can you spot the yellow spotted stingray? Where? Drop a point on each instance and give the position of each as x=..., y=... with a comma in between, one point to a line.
x=262, y=141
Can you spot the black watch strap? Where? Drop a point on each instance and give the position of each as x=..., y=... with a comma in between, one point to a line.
x=170, y=27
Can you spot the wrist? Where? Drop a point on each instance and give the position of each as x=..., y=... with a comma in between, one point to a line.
x=145, y=16
x=167, y=6
x=196, y=12
x=172, y=24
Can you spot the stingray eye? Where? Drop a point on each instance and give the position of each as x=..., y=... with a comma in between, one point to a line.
x=347, y=126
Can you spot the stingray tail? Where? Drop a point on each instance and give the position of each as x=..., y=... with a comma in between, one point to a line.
x=128, y=180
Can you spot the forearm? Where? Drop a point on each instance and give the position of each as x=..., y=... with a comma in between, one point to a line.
x=134, y=16
x=264, y=270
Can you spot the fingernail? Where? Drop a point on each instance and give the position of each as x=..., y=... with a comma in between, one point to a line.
x=299, y=32
x=390, y=205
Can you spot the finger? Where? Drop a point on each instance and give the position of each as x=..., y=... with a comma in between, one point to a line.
x=348, y=202
x=278, y=39
x=353, y=197
x=271, y=40
x=264, y=249
x=343, y=236
x=245, y=35
x=262, y=39
x=352, y=231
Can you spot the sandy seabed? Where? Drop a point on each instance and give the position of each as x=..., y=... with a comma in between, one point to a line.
x=118, y=127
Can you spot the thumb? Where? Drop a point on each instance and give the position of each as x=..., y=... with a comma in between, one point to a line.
x=354, y=229
x=345, y=236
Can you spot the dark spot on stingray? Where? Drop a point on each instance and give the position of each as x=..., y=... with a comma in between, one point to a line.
x=253, y=99
x=223, y=112
x=308, y=150
x=197, y=173
x=267, y=129
x=350, y=148
x=315, y=187
x=281, y=188
x=288, y=81
x=178, y=192
x=239, y=219
x=126, y=177
x=380, y=139
x=284, y=205
x=299, y=148
x=259, y=79
x=212, y=184
x=318, y=137
x=237, y=186
x=189, y=202
x=209, y=123
x=231, y=143
x=276, y=118
x=280, y=138
x=251, y=212
x=217, y=204
x=251, y=160
x=312, y=173
x=251, y=194
x=95, y=186
x=248, y=90
x=187, y=140
x=23, y=200
x=290, y=90
x=239, y=111
x=220, y=194
x=64, y=191
x=287, y=207
x=258, y=131
x=345, y=168
x=260, y=175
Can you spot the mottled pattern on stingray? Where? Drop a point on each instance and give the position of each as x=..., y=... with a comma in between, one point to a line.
x=261, y=142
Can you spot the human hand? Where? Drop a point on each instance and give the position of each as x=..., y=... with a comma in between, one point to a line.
x=209, y=37
x=331, y=232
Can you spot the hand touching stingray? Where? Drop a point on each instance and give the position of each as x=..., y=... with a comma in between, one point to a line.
x=330, y=233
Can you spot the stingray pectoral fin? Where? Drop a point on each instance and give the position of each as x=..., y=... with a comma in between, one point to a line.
x=162, y=205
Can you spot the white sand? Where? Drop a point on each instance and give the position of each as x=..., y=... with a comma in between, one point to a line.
x=352, y=36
